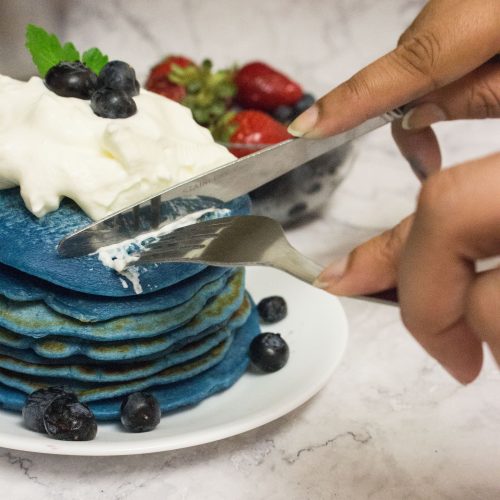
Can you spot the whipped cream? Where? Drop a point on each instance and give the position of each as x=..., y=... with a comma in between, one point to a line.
x=121, y=256
x=55, y=147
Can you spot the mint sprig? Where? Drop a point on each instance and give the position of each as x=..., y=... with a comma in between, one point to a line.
x=47, y=51
x=94, y=59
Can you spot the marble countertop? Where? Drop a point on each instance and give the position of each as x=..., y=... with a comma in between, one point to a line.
x=390, y=424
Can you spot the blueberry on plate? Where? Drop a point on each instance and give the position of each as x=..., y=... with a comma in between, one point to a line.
x=38, y=402
x=272, y=309
x=118, y=75
x=69, y=420
x=269, y=352
x=71, y=79
x=110, y=103
x=140, y=412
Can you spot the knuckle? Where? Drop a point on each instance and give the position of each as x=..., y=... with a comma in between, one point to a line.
x=357, y=87
x=484, y=99
x=419, y=55
x=391, y=246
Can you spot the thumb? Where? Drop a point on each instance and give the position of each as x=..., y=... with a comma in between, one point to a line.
x=371, y=267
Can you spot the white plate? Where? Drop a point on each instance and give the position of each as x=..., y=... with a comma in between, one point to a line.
x=316, y=331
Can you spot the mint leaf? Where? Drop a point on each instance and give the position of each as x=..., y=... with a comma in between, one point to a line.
x=94, y=59
x=69, y=53
x=46, y=49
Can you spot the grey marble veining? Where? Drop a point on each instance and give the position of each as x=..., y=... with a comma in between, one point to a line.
x=391, y=424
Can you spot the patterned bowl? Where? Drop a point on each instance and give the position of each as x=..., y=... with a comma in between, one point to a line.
x=302, y=193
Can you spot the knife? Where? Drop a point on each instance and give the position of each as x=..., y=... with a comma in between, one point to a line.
x=223, y=183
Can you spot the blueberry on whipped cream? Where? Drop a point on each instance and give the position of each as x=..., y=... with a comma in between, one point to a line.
x=111, y=93
x=71, y=79
x=111, y=103
x=118, y=75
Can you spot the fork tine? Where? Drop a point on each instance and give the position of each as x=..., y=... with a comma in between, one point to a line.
x=176, y=245
x=136, y=217
x=181, y=239
x=185, y=235
x=205, y=229
x=164, y=256
x=155, y=211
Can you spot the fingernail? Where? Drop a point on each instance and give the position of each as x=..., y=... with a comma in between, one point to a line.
x=332, y=273
x=423, y=116
x=305, y=122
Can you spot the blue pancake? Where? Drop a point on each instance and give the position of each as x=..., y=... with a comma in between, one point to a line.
x=118, y=372
x=18, y=286
x=92, y=391
x=30, y=245
x=57, y=348
x=155, y=349
x=36, y=320
x=176, y=394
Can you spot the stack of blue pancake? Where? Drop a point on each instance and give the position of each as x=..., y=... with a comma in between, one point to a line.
x=78, y=324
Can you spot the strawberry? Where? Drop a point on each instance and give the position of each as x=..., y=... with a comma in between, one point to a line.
x=159, y=82
x=252, y=127
x=262, y=87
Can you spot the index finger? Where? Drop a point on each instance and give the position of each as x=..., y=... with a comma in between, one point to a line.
x=448, y=39
x=455, y=225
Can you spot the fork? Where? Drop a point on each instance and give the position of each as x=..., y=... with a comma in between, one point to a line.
x=249, y=240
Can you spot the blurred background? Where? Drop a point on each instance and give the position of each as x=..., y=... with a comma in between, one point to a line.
x=319, y=40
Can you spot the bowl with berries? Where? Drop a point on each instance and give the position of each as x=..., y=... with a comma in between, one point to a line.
x=248, y=108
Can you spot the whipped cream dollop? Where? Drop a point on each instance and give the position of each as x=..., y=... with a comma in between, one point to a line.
x=55, y=147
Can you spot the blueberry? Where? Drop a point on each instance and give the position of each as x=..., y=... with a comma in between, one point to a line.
x=272, y=309
x=110, y=103
x=284, y=113
x=69, y=420
x=38, y=402
x=118, y=75
x=71, y=79
x=269, y=352
x=305, y=102
x=140, y=412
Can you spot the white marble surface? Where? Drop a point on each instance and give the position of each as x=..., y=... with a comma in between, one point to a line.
x=390, y=424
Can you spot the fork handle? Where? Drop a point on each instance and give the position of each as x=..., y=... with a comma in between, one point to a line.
x=298, y=265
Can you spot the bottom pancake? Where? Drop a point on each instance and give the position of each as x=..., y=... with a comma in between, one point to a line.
x=174, y=395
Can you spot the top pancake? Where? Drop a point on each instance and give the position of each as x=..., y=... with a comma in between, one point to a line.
x=30, y=245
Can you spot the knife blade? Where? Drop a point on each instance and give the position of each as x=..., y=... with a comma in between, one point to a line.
x=223, y=183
